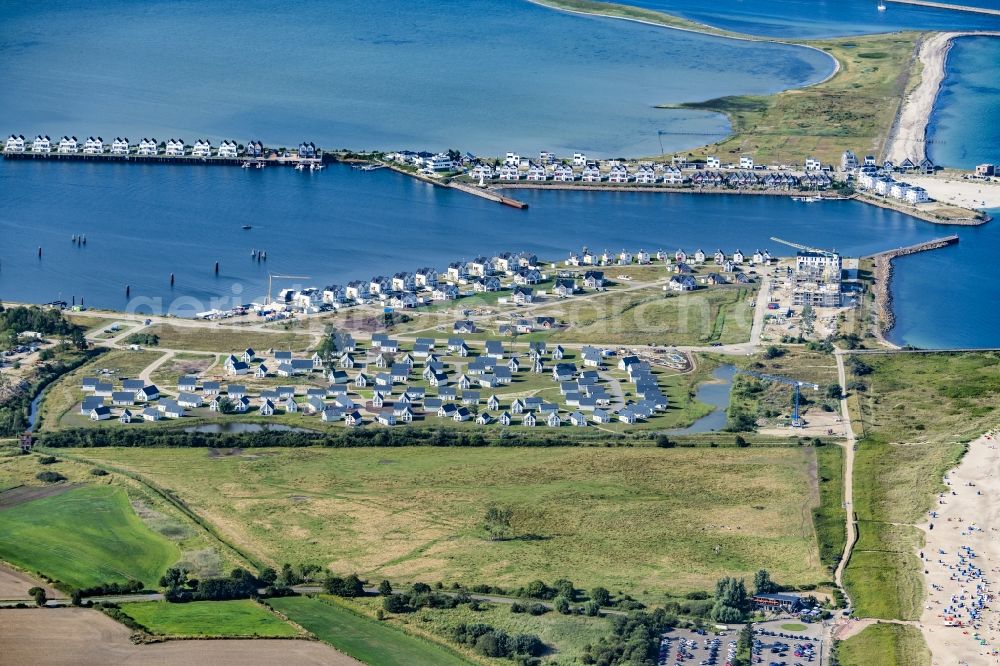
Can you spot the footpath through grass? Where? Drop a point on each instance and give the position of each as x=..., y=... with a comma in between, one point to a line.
x=84, y=537
x=917, y=410
x=885, y=645
x=216, y=619
x=367, y=640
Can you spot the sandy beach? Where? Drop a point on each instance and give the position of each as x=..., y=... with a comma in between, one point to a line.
x=907, y=139
x=972, y=194
x=961, y=557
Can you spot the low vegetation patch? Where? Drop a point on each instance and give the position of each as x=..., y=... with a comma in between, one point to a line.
x=885, y=645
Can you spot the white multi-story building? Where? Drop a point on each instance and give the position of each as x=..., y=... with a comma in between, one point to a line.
x=917, y=195
x=713, y=162
x=15, y=143
x=201, y=148
x=175, y=147
x=119, y=146
x=68, y=144
x=147, y=147
x=439, y=162
x=813, y=164
x=512, y=159
x=579, y=159
x=228, y=148
x=848, y=161
x=93, y=146
x=746, y=162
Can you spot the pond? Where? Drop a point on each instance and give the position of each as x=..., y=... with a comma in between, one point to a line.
x=237, y=427
x=716, y=394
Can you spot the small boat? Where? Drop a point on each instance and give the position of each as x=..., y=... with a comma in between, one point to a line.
x=806, y=199
x=300, y=167
x=881, y=6
x=247, y=227
x=245, y=165
x=315, y=167
x=260, y=165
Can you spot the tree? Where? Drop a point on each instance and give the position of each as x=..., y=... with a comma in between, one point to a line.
x=174, y=577
x=600, y=596
x=497, y=522
x=268, y=577
x=834, y=391
x=350, y=586
x=385, y=588
x=592, y=608
x=663, y=442
x=39, y=595
x=762, y=583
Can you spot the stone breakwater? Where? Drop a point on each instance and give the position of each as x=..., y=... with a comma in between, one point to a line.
x=883, y=278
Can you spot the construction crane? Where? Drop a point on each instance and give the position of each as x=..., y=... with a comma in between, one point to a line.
x=272, y=276
x=796, y=385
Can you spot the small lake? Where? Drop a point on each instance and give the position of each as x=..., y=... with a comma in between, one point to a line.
x=236, y=427
x=716, y=394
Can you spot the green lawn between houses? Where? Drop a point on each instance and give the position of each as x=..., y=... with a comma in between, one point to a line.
x=84, y=537
x=230, y=619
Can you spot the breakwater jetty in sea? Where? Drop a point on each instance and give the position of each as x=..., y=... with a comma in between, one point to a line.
x=883, y=276
x=947, y=5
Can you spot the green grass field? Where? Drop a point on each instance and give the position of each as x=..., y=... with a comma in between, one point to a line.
x=885, y=645
x=229, y=619
x=642, y=520
x=641, y=316
x=365, y=639
x=84, y=537
x=226, y=339
x=917, y=411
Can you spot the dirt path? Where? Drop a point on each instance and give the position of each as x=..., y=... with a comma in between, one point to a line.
x=848, y=444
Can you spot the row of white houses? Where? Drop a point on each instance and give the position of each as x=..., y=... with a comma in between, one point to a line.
x=70, y=145
x=886, y=186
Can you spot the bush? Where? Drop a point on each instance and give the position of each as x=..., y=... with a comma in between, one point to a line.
x=47, y=460
x=537, y=609
x=97, y=471
x=490, y=642
x=50, y=477
x=561, y=604
x=518, y=607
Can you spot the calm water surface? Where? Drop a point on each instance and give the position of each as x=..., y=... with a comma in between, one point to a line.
x=823, y=18
x=144, y=222
x=965, y=125
x=477, y=75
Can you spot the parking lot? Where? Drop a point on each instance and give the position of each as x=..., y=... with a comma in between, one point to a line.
x=772, y=647
x=686, y=647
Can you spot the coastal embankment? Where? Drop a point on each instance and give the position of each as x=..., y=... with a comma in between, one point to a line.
x=907, y=139
x=883, y=278
x=960, y=557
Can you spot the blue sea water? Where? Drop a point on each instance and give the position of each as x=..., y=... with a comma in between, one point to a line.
x=144, y=222
x=485, y=76
x=814, y=19
x=964, y=129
